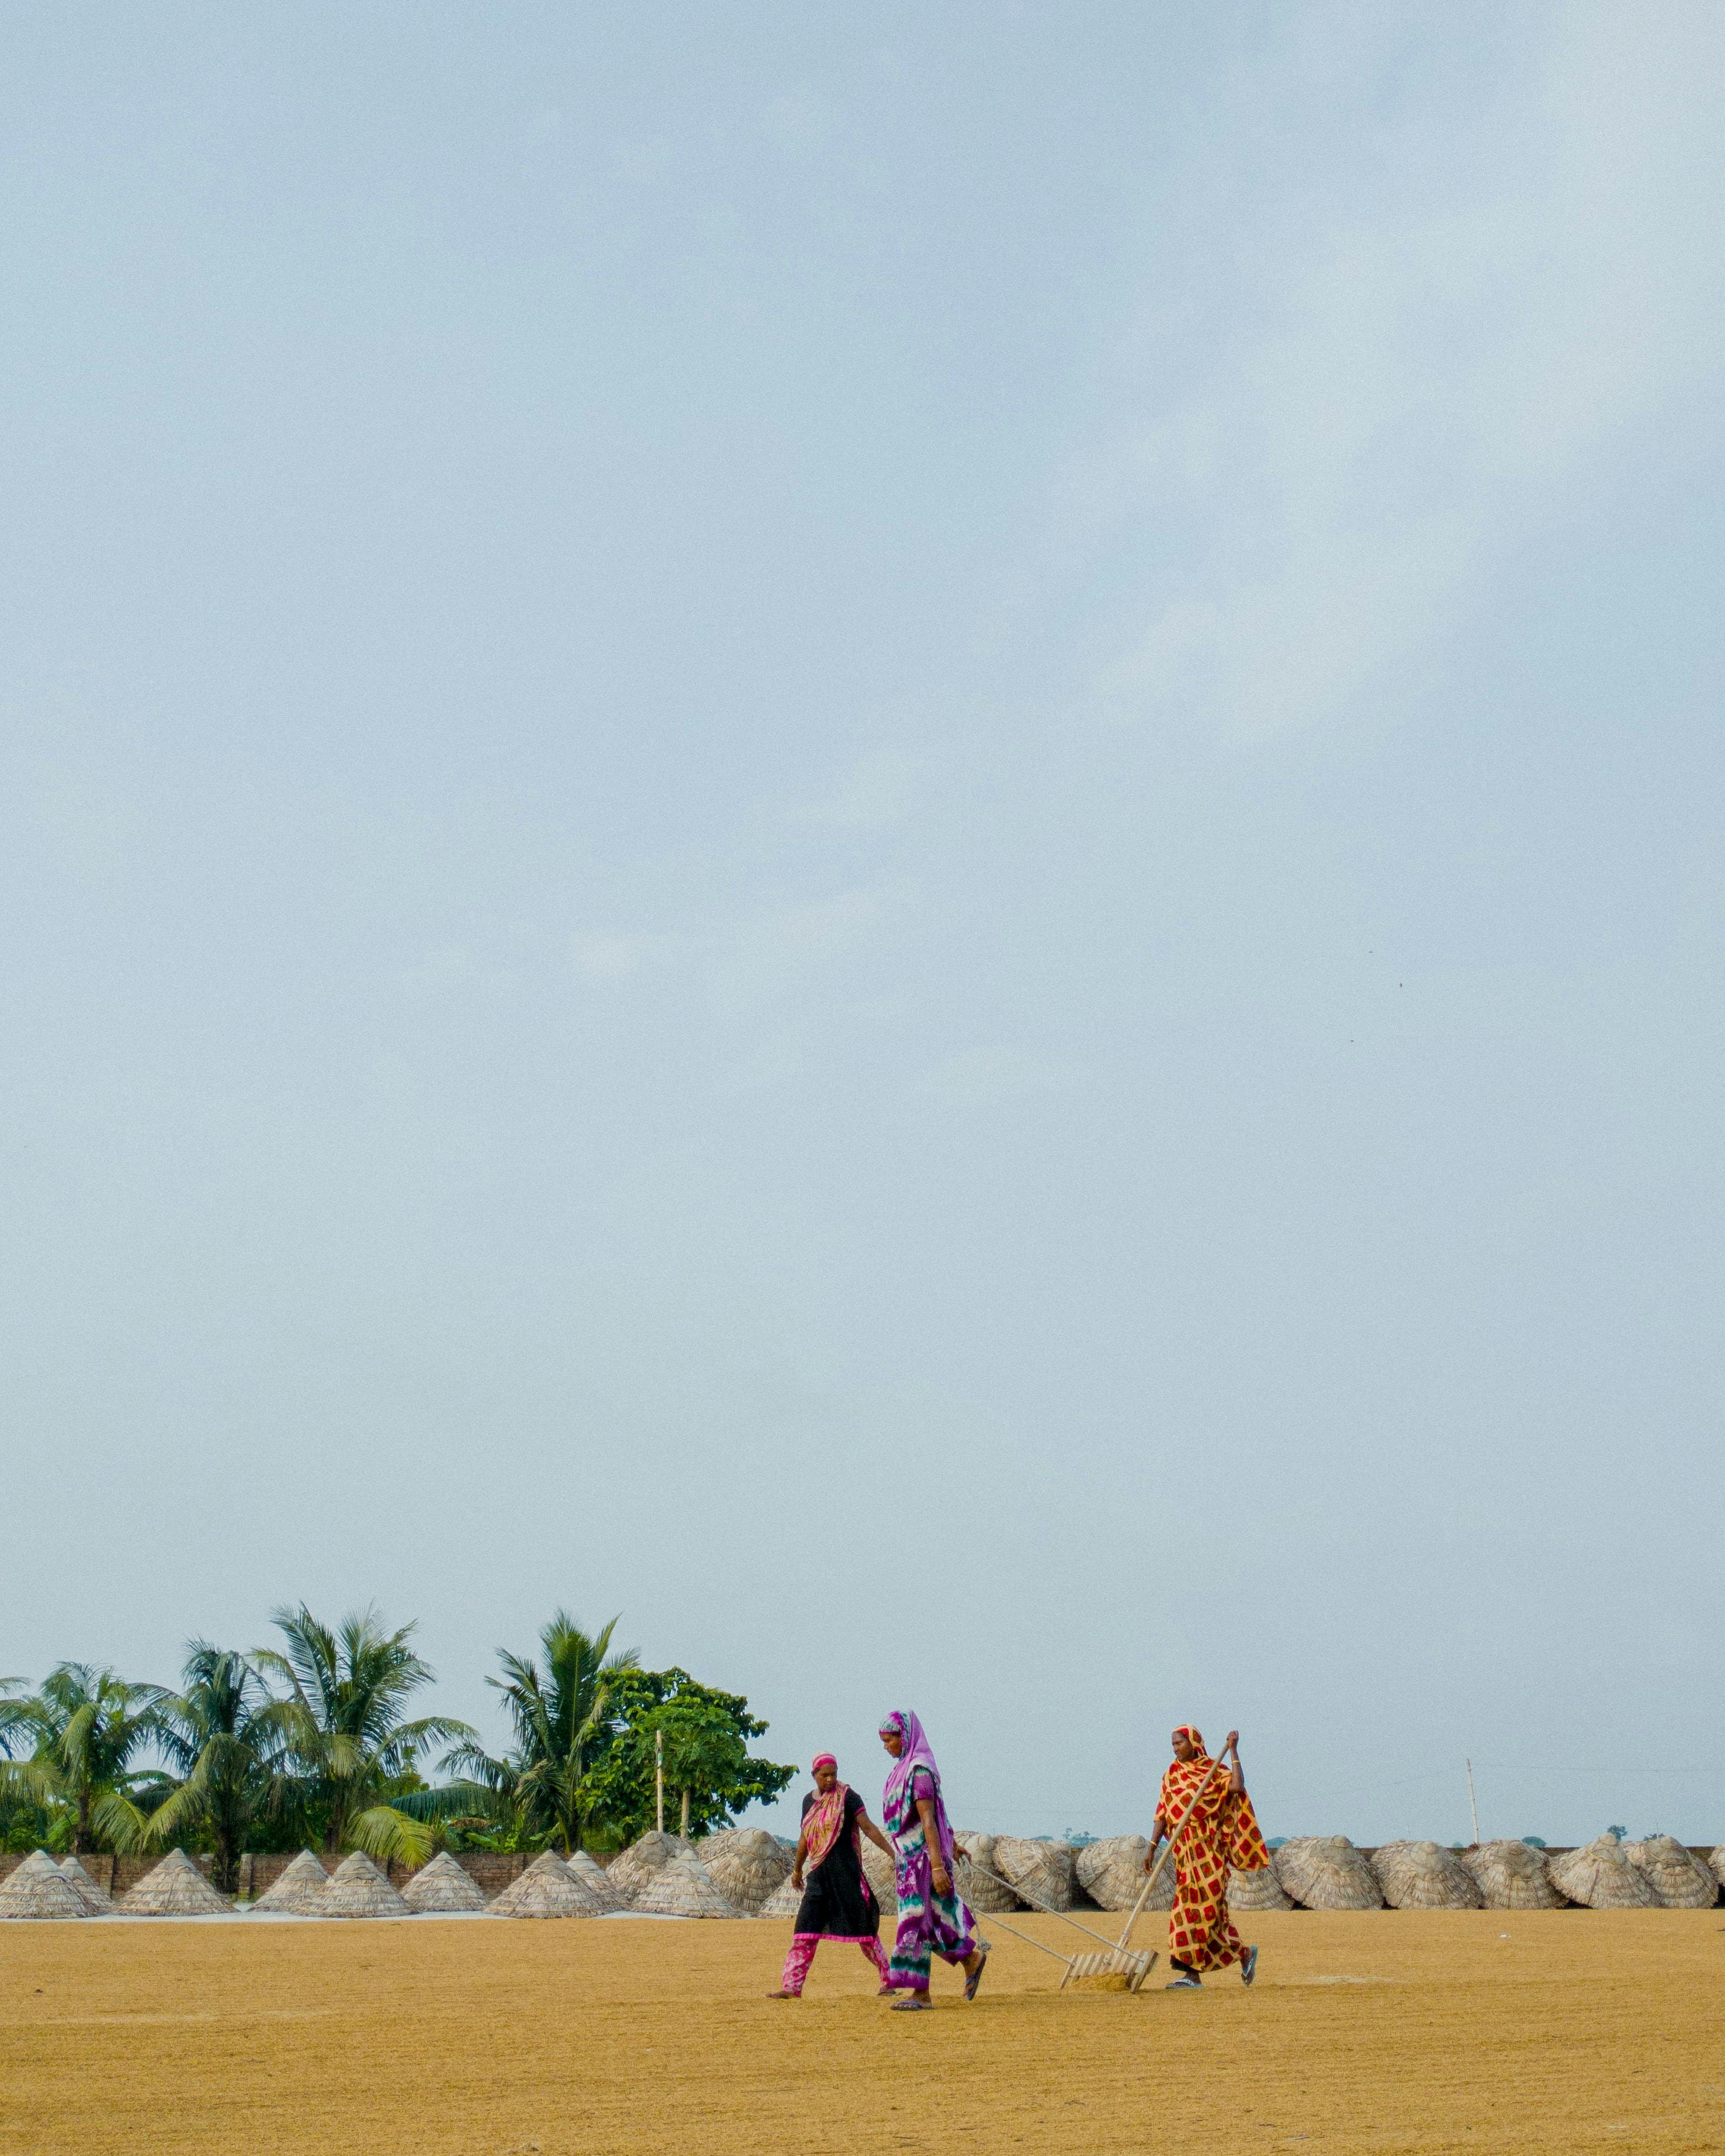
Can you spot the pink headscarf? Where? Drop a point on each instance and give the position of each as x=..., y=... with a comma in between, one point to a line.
x=917, y=1752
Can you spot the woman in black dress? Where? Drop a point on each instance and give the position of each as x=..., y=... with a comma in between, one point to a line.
x=838, y=1901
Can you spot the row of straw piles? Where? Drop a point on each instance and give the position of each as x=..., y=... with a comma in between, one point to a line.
x=1328, y=1872
x=746, y=1873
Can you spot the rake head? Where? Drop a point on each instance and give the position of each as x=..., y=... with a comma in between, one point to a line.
x=1109, y=1972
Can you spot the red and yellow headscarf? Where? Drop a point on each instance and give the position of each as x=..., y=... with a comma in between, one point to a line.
x=1217, y=1812
x=825, y=1817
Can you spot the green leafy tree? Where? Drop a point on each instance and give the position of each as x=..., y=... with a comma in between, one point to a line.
x=225, y=1737
x=710, y=1773
x=349, y=1750
x=85, y=1729
x=562, y=1717
x=25, y=1823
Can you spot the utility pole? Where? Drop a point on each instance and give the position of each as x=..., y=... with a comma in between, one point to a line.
x=659, y=1776
x=1472, y=1802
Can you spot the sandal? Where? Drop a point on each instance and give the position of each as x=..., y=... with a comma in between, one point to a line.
x=1248, y=1965
x=911, y=2005
x=975, y=1978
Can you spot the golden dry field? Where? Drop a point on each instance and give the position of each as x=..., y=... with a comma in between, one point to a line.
x=1578, y=2030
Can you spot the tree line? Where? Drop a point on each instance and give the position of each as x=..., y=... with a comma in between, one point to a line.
x=312, y=1741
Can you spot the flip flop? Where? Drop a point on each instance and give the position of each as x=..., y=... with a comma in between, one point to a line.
x=972, y=1981
x=909, y=2006
x=1184, y=1983
x=1248, y=1965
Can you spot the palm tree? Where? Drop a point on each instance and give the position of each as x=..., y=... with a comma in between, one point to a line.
x=350, y=1751
x=225, y=1736
x=14, y=1714
x=85, y=1727
x=561, y=1720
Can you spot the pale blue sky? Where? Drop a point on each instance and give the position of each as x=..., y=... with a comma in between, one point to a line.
x=896, y=838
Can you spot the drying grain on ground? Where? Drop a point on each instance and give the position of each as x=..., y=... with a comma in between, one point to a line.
x=1386, y=2030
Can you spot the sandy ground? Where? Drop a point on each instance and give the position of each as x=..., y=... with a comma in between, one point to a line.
x=1577, y=2030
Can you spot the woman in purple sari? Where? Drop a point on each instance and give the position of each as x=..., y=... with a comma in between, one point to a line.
x=931, y=1919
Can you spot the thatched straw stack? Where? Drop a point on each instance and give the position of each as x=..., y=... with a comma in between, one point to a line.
x=175, y=1888
x=1250, y=1891
x=441, y=1888
x=597, y=1881
x=1039, y=1871
x=1718, y=1863
x=988, y=1896
x=1112, y=1872
x=547, y=1888
x=1326, y=1872
x=1510, y=1875
x=357, y=1888
x=747, y=1864
x=299, y=1891
x=784, y=1901
x=631, y=1870
x=881, y=1873
x=682, y=1888
x=1601, y=1876
x=38, y=1890
x=1425, y=1875
x=84, y=1887
x=1679, y=1879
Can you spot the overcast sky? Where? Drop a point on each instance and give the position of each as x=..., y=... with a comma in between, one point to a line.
x=894, y=834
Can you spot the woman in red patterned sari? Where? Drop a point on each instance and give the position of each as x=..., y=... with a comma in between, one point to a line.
x=1222, y=1833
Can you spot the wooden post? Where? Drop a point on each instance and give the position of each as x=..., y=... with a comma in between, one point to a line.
x=684, y=1829
x=1471, y=1804
x=659, y=1776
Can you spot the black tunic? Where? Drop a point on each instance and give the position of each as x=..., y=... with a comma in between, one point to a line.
x=838, y=1899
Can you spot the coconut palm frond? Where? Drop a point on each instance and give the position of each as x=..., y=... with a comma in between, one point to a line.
x=384, y=1831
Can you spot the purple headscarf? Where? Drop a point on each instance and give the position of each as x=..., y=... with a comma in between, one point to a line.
x=917, y=1752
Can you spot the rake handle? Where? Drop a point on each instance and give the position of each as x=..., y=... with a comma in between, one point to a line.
x=1042, y=1905
x=1173, y=1835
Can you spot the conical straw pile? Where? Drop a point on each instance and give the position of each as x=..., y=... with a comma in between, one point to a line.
x=682, y=1888
x=441, y=1888
x=1041, y=1871
x=38, y=1891
x=84, y=1887
x=299, y=1891
x=1326, y=1872
x=987, y=1895
x=881, y=1872
x=1425, y=1875
x=784, y=1901
x=1250, y=1892
x=597, y=1880
x=546, y=1888
x=631, y=1869
x=1679, y=1879
x=1112, y=1872
x=747, y=1864
x=357, y=1888
x=175, y=1888
x=1601, y=1876
x=1718, y=1863
x=1512, y=1874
